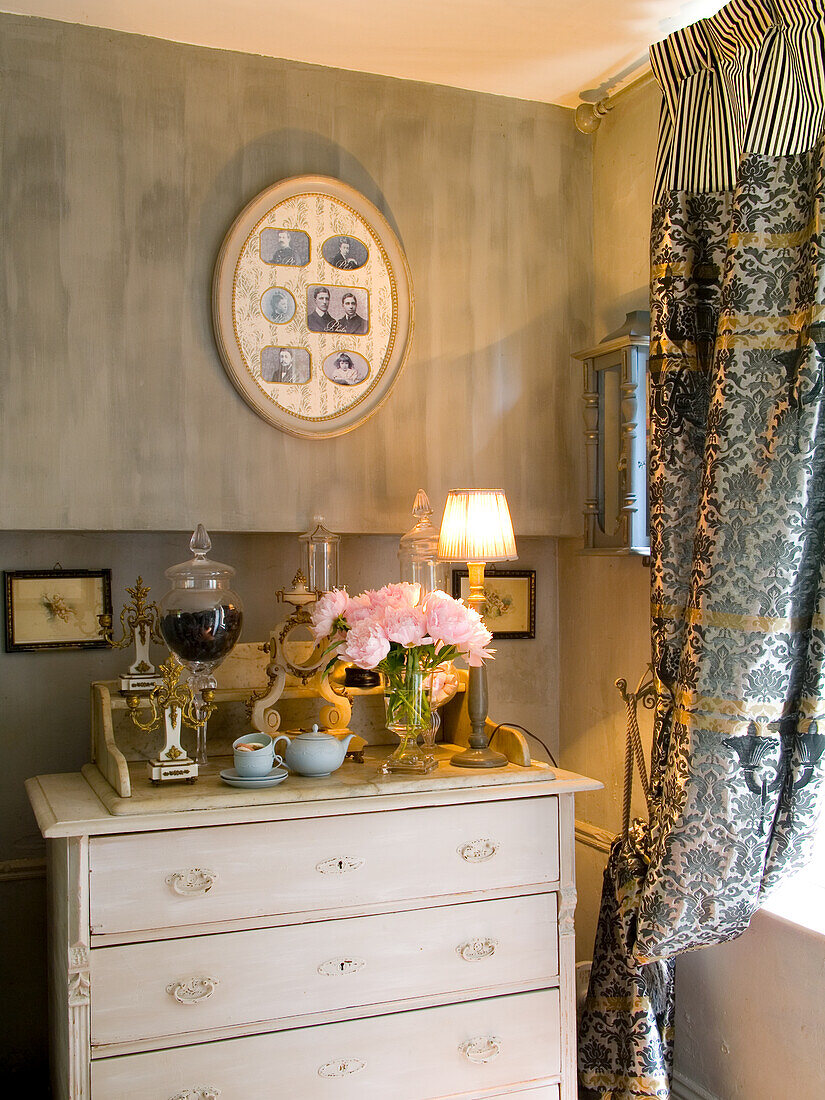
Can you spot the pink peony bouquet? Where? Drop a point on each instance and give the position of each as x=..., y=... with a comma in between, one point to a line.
x=404, y=635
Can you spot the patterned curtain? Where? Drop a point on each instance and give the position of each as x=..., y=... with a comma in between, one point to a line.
x=737, y=503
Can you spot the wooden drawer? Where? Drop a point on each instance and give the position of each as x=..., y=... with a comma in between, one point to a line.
x=423, y=1055
x=179, y=988
x=193, y=876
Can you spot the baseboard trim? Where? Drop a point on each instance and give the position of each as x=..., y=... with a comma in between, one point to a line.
x=593, y=836
x=15, y=870
x=681, y=1088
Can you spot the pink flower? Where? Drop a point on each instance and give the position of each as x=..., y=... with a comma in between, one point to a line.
x=477, y=652
x=441, y=684
x=406, y=626
x=366, y=645
x=450, y=622
x=360, y=608
x=327, y=611
x=399, y=597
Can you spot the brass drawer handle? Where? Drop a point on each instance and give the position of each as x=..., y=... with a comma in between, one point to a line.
x=339, y=865
x=192, y=883
x=191, y=991
x=336, y=968
x=482, y=1049
x=345, y=1068
x=478, y=851
x=199, y=1092
x=473, y=950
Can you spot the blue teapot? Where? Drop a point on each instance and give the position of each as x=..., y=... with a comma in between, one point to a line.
x=314, y=753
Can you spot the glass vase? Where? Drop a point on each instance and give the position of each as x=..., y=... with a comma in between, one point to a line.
x=408, y=716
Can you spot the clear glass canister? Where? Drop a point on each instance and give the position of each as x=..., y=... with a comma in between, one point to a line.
x=320, y=554
x=418, y=550
x=201, y=616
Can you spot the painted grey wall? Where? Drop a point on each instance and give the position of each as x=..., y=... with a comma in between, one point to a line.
x=604, y=601
x=125, y=161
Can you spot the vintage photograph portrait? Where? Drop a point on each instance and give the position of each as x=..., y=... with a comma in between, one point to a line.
x=338, y=309
x=509, y=600
x=277, y=305
x=288, y=247
x=346, y=368
x=56, y=608
x=285, y=365
x=345, y=253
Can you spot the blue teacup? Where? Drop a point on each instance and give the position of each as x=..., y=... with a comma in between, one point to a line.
x=252, y=763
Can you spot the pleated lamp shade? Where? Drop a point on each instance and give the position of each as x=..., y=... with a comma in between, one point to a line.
x=476, y=527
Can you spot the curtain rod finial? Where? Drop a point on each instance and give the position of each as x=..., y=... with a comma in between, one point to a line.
x=588, y=117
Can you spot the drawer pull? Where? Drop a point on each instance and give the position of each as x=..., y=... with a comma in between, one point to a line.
x=199, y=1092
x=192, y=883
x=335, y=968
x=478, y=851
x=344, y=1068
x=191, y=991
x=340, y=865
x=473, y=950
x=482, y=1049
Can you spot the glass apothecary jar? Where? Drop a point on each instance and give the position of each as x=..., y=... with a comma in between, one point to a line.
x=200, y=619
x=418, y=550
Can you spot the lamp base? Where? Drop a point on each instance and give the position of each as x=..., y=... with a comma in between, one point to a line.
x=479, y=758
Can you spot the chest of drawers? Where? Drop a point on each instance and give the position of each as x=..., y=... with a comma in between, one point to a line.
x=346, y=938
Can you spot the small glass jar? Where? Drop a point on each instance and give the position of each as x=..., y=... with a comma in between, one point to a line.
x=418, y=550
x=320, y=554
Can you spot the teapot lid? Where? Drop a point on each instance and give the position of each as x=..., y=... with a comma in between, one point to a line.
x=314, y=734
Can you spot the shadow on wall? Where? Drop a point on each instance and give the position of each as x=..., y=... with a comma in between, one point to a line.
x=270, y=158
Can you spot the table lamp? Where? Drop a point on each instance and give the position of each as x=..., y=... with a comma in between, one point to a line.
x=477, y=528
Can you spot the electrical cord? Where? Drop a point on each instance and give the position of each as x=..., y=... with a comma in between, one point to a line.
x=516, y=726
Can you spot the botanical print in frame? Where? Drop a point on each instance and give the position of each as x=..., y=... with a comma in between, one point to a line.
x=56, y=608
x=311, y=265
x=510, y=605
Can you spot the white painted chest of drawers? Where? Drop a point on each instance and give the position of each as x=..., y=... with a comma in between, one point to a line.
x=346, y=938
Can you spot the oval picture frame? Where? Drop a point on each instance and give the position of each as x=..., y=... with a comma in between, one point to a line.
x=368, y=310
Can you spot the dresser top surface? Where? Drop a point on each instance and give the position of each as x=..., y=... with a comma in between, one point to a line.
x=75, y=804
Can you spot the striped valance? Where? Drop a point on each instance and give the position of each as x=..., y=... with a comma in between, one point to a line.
x=750, y=79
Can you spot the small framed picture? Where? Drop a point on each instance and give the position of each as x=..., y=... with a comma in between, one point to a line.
x=510, y=600
x=56, y=608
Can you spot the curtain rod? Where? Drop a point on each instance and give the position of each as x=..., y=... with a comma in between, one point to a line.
x=589, y=113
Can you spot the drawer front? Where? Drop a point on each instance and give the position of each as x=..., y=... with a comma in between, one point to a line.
x=462, y=1050
x=194, y=876
x=183, y=987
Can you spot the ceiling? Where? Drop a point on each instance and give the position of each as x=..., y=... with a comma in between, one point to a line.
x=545, y=50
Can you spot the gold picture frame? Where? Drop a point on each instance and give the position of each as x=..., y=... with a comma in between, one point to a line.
x=510, y=610
x=311, y=271
x=56, y=608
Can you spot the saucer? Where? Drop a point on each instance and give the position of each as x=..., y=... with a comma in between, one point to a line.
x=254, y=782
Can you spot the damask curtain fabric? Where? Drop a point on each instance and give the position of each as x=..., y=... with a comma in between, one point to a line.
x=737, y=487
